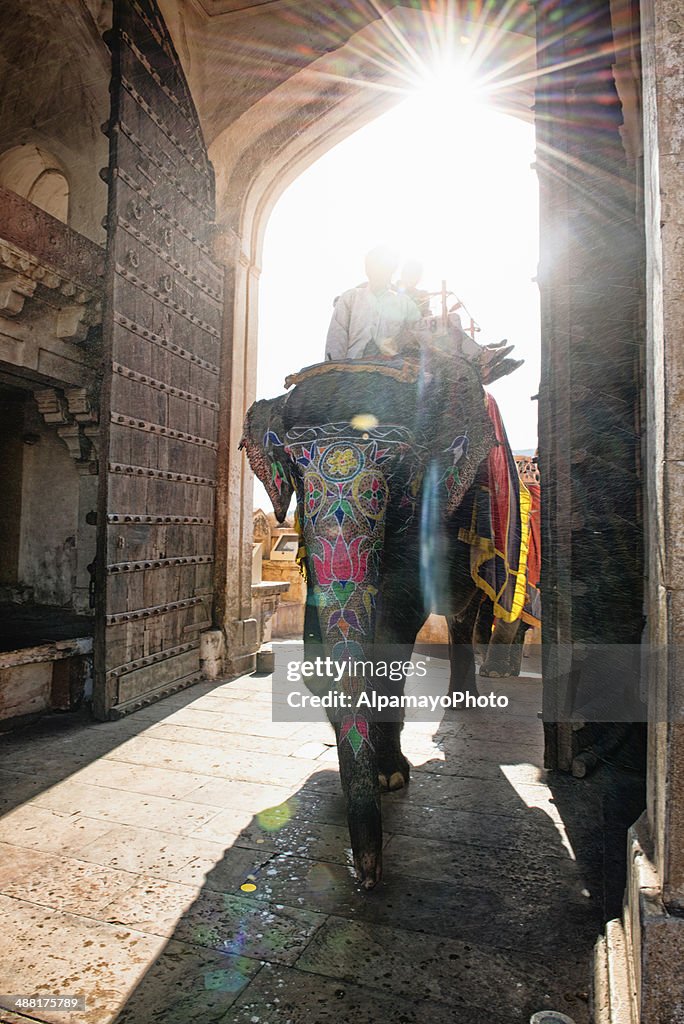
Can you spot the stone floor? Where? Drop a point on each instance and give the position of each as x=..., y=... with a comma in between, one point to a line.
x=124, y=846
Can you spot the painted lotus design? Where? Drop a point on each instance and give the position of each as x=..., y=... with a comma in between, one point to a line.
x=342, y=562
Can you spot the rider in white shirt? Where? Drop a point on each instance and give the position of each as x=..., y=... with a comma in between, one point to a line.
x=372, y=318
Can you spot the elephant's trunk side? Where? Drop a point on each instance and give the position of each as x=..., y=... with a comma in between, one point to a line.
x=345, y=480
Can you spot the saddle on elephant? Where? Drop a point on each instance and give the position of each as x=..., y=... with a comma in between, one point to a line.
x=396, y=367
x=494, y=518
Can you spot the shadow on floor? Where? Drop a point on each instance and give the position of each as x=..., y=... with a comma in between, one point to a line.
x=492, y=900
x=616, y=795
x=495, y=870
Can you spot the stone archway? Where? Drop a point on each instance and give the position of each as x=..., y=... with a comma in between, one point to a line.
x=37, y=175
x=259, y=154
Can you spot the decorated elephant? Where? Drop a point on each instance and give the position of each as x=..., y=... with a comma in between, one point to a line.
x=380, y=456
x=499, y=636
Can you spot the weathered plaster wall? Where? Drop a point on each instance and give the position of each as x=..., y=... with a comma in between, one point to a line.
x=55, y=71
x=49, y=522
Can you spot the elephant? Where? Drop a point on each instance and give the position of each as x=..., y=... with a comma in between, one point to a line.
x=380, y=456
x=500, y=642
x=511, y=603
x=504, y=640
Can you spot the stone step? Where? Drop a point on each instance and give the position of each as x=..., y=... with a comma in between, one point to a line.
x=613, y=996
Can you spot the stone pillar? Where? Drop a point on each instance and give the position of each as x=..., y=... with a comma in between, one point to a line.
x=234, y=527
x=655, y=896
x=592, y=576
x=663, y=48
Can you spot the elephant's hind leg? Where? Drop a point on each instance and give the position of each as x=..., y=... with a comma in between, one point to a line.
x=393, y=768
x=504, y=654
x=461, y=650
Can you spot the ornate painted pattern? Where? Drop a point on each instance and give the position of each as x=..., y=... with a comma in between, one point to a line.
x=261, y=438
x=458, y=449
x=346, y=477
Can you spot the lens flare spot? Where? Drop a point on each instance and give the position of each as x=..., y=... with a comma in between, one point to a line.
x=231, y=980
x=320, y=879
x=274, y=818
x=364, y=421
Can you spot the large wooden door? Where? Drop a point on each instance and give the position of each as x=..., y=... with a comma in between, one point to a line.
x=160, y=388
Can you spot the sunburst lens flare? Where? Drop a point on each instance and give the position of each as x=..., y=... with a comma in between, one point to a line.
x=452, y=82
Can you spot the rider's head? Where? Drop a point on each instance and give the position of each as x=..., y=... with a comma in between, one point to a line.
x=381, y=263
x=411, y=273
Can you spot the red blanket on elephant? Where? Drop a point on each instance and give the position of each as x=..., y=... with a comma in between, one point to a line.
x=499, y=527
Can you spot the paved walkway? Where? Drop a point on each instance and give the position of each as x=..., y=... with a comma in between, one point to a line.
x=124, y=846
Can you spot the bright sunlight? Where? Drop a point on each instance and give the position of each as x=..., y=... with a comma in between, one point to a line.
x=445, y=179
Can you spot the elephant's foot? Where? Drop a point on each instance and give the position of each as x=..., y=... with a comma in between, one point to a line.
x=365, y=830
x=369, y=870
x=493, y=673
x=396, y=780
x=395, y=773
x=470, y=690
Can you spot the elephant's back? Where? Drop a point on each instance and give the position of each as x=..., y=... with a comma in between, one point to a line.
x=340, y=396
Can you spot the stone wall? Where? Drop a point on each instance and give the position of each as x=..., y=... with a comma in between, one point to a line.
x=288, y=620
x=655, y=898
x=591, y=259
x=55, y=96
x=49, y=520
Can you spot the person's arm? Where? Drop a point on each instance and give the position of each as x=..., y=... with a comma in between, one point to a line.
x=337, y=342
x=407, y=340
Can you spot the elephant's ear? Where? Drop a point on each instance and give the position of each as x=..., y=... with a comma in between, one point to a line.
x=463, y=437
x=262, y=439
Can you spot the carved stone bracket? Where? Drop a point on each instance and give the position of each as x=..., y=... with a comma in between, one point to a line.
x=80, y=405
x=23, y=277
x=76, y=419
x=75, y=441
x=52, y=405
x=15, y=289
x=92, y=435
